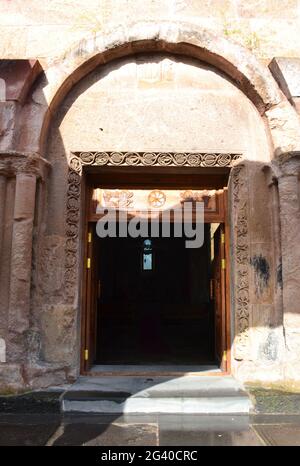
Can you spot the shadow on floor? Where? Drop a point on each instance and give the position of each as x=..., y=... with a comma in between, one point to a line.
x=150, y=430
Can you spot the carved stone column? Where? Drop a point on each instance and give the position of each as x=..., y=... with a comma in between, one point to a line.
x=2, y=219
x=278, y=289
x=288, y=172
x=20, y=278
x=290, y=235
x=2, y=207
x=22, y=170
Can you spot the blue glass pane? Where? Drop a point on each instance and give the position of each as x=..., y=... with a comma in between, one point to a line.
x=147, y=261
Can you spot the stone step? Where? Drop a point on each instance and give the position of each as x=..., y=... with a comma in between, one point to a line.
x=226, y=405
x=187, y=394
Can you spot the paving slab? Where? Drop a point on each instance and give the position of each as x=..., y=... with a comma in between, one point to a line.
x=212, y=438
x=27, y=430
x=91, y=434
x=279, y=435
x=207, y=430
x=203, y=422
x=274, y=419
x=149, y=430
x=39, y=401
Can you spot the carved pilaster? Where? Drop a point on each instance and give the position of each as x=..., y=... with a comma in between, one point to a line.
x=20, y=276
x=2, y=208
x=26, y=168
x=241, y=261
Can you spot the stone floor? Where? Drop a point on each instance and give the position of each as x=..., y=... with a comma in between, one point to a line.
x=149, y=430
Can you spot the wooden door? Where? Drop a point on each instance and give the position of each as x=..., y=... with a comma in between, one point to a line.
x=91, y=298
x=219, y=295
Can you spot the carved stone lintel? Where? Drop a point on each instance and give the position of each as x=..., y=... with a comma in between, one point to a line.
x=148, y=159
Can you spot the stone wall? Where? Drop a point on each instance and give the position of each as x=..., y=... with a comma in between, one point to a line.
x=116, y=108
x=148, y=87
x=46, y=29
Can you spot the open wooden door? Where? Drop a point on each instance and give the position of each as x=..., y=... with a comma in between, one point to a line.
x=91, y=298
x=218, y=294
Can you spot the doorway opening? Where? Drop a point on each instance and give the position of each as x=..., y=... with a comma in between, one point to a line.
x=151, y=301
x=155, y=301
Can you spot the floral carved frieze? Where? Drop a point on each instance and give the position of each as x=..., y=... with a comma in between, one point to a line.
x=241, y=261
x=163, y=159
x=72, y=232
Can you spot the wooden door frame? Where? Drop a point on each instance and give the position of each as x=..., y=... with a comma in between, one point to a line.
x=223, y=218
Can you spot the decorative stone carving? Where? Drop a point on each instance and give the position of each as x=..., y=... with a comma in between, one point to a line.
x=199, y=159
x=72, y=230
x=200, y=196
x=13, y=162
x=156, y=198
x=118, y=198
x=241, y=258
x=190, y=159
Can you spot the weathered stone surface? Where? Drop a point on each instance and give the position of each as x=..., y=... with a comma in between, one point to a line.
x=281, y=435
x=11, y=378
x=7, y=124
x=173, y=33
x=18, y=76
x=107, y=435
x=290, y=215
x=13, y=41
x=258, y=371
x=50, y=272
x=261, y=276
x=286, y=71
x=32, y=30
x=147, y=86
x=27, y=430
x=19, y=304
x=44, y=375
x=273, y=400
x=40, y=402
x=58, y=324
x=284, y=126
x=267, y=340
x=2, y=350
x=161, y=84
x=7, y=225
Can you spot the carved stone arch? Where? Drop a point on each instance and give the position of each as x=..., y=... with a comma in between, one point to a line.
x=238, y=63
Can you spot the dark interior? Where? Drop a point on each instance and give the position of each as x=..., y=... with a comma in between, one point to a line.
x=154, y=310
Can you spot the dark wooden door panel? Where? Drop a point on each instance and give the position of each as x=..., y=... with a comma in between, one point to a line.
x=91, y=298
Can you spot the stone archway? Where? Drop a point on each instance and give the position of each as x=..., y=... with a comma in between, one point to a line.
x=267, y=99
x=240, y=65
x=237, y=63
